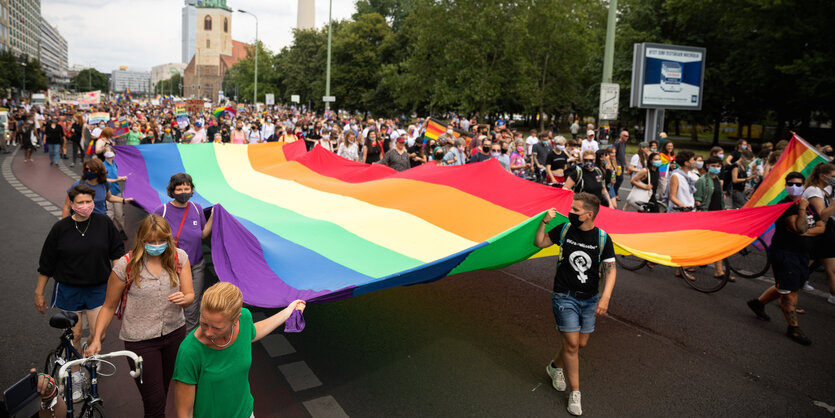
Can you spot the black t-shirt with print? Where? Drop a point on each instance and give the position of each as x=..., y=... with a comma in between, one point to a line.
x=579, y=269
x=786, y=239
x=557, y=161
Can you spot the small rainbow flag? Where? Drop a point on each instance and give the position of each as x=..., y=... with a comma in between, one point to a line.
x=436, y=128
x=218, y=112
x=97, y=117
x=188, y=136
x=799, y=156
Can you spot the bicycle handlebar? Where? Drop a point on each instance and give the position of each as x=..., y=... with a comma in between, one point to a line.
x=136, y=373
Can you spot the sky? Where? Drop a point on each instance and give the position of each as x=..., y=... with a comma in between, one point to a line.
x=143, y=33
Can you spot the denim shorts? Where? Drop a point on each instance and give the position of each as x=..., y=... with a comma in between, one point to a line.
x=574, y=315
x=77, y=299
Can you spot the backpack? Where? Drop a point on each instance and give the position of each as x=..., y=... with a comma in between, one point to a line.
x=578, y=182
x=602, y=236
x=727, y=176
x=120, y=308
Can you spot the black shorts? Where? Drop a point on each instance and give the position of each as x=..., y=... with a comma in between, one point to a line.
x=791, y=270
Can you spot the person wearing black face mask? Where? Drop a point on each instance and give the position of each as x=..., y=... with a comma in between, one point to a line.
x=586, y=256
x=189, y=227
x=586, y=177
x=484, y=154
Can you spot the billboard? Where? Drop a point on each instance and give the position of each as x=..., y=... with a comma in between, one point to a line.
x=667, y=76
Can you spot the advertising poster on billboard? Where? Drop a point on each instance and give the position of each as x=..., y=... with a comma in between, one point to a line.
x=667, y=76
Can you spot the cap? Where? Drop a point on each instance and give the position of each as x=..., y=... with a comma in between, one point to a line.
x=644, y=144
x=590, y=133
x=198, y=124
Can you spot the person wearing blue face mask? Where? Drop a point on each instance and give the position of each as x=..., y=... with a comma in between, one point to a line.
x=708, y=197
x=153, y=284
x=95, y=176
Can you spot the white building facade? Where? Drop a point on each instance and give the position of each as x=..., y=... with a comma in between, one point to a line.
x=189, y=38
x=53, y=54
x=137, y=82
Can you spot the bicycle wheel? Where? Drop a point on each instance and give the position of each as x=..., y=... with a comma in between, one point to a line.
x=752, y=261
x=630, y=262
x=703, y=278
x=95, y=410
x=51, y=365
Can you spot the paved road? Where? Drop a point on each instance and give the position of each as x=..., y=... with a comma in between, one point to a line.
x=476, y=344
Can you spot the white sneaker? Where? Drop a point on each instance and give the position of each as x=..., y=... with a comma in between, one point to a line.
x=831, y=299
x=574, y=403
x=77, y=383
x=807, y=286
x=557, y=377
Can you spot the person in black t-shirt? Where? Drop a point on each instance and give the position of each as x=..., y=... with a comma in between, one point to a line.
x=789, y=255
x=586, y=254
x=78, y=253
x=556, y=162
x=589, y=178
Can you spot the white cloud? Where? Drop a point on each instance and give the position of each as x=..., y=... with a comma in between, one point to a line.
x=143, y=33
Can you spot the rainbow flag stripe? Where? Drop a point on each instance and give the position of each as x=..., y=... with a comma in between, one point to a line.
x=799, y=156
x=434, y=129
x=291, y=224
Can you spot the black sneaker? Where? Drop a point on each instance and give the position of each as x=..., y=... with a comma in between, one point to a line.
x=759, y=309
x=797, y=335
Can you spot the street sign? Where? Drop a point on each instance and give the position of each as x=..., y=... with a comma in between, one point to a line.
x=270, y=99
x=295, y=98
x=609, y=97
x=328, y=98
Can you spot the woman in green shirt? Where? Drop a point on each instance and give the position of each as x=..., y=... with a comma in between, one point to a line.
x=211, y=375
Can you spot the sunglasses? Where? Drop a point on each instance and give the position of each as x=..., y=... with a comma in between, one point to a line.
x=794, y=184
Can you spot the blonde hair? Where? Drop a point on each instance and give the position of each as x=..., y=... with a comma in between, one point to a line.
x=588, y=152
x=224, y=298
x=560, y=140
x=154, y=226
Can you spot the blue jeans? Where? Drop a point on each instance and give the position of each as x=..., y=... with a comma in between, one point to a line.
x=573, y=314
x=54, y=152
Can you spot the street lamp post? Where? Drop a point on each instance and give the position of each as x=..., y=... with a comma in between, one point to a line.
x=255, y=93
x=328, y=69
x=23, y=64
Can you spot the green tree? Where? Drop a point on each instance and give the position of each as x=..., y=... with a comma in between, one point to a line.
x=170, y=85
x=303, y=65
x=90, y=79
x=242, y=75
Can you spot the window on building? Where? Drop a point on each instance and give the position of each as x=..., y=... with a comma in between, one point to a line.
x=208, y=44
x=207, y=23
x=225, y=25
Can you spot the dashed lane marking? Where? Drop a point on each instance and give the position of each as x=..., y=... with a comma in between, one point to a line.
x=324, y=407
x=277, y=345
x=299, y=376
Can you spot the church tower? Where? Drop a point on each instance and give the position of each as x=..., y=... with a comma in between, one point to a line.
x=214, y=31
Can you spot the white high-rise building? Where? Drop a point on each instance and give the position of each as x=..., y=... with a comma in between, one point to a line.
x=53, y=54
x=138, y=82
x=189, y=39
x=306, y=15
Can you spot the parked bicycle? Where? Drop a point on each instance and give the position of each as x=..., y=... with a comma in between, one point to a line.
x=61, y=360
x=701, y=278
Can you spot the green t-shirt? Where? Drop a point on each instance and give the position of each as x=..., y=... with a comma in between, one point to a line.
x=221, y=376
x=134, y=138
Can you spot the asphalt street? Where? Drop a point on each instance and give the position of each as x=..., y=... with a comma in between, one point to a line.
x=476, y=344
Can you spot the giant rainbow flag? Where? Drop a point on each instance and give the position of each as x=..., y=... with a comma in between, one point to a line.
x=799, y=156
x=291, y=224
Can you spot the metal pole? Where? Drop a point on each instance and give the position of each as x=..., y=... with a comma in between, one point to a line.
x=609, y=50
x=328, y=70
x=255, y=94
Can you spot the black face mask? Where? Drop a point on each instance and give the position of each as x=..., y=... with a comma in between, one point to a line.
x=588, y=165
x=486, y=149
x=574, y=220
x=182, y=198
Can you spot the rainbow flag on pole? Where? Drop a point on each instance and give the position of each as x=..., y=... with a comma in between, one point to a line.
x=296, y=224
x=799, y=156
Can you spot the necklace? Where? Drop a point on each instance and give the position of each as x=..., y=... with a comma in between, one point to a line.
x=85, y=229
x=228, y=341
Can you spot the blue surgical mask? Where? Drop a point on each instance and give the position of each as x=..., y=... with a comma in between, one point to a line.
x=155, y=250
x=495, y=154
x=743, y=147
x=715, y=170
x=656, y=163
x=560, y=147
x=721, y=156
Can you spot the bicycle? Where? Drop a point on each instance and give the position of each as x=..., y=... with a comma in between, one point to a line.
x=59, y=360
x=696, y=277
x=752, y=261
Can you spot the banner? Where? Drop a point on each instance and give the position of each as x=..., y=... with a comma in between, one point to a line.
x=97, y=117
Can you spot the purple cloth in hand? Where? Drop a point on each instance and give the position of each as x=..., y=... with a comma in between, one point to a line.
x=295, y=323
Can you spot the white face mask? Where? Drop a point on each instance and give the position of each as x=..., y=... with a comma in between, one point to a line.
x=794, y=190
x=698, y=164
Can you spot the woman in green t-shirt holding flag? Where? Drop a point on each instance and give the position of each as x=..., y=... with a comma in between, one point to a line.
x=211, y=376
